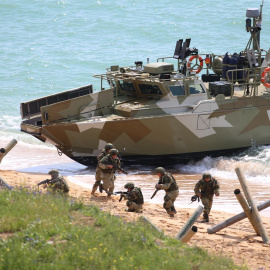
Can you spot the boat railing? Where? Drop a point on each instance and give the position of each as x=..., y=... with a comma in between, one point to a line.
x=250, y=78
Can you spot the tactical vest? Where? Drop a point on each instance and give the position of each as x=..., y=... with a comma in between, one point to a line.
x=173, y=185
x=108, y=160
x=208, y=188
x=60, y=184
x=139, y=200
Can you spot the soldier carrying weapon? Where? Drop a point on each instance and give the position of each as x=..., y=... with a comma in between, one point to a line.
x=134, y=196
x=168, y=183
x=57, y=183
x=108, y=165
x=105, y=152
x=205, y=189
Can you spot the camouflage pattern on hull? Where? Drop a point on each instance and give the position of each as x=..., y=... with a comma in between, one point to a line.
x=154, y=111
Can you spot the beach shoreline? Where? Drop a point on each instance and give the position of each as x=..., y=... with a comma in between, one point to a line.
x=238, y=241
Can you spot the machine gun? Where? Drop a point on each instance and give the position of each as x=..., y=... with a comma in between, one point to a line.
x=122, y=194
x=194, y=198
x=44, y=182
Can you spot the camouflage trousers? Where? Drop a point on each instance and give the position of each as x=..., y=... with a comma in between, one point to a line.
x=98, y=172
x=169, y=200
x=207, y=203
x=95, y=186
x=134, y=206
x=108, y=181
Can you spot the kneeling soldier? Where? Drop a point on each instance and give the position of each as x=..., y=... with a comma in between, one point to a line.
x=57, y=183
x=168, y=183
x=134, y=197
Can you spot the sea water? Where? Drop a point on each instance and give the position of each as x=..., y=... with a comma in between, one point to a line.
x=52, y=46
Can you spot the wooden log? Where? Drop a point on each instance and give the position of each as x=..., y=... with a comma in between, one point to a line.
x=6, y=149
x=246, y=208
x=254, y=211
x=189, y=234
x=235, y=219
x=190, y=222
x=4, y=184
x=147, y=221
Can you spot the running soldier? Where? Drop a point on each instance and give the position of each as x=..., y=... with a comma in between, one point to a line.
x=108, y=165
x=168, y=183
x=134, y=197
x=205, y=189
x=105, y=152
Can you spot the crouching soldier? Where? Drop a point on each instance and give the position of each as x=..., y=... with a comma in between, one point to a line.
x=205, y=189
x=108, y=166
x=57, y=183
x=135, y=198
x=168, y=183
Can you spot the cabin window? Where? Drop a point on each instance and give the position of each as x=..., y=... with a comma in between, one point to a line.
x=196, y=89
x=177, y=90
x=150, y=89
x=127, y=86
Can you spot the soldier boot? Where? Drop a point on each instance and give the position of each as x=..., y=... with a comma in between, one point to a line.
x=95, y=186
x=205, y=217
x=100, y=187
x=173, y=209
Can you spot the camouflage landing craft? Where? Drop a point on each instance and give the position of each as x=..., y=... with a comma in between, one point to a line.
x=164, y=109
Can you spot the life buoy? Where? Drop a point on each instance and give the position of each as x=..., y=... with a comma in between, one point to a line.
x=267, y=70
x=199, y=66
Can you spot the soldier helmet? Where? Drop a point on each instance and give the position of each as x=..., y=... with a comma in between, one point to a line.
x=113, y=151
x=109, y=146
x=53, y=171
x=160, y=170
x=206, y=175
x=129, y=185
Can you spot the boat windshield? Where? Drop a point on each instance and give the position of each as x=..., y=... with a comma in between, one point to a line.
x=127, y=86
x=177, y=90
x=150, y=89
x=196, y=89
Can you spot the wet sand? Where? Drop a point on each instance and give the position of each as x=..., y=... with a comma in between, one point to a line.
x=238, y=241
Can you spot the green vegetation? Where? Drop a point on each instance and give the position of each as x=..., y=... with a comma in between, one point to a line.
x=50, y=231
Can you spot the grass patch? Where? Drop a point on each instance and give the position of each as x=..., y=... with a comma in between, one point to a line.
x=54, y=232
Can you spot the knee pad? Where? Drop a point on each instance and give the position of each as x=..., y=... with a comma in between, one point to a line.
x=166, y=198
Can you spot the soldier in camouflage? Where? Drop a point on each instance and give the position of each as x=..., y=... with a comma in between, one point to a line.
x=105, y=152
x=205, y=189
x=134, y=197
x=107, y=165
x=168, y=183
x=57, y=183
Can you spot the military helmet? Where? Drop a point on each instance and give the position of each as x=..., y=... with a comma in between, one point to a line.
x=129, y=185
x=160, y=170
x=113, y=151
x=109, y=146
x=53, y=171
x=206, y=175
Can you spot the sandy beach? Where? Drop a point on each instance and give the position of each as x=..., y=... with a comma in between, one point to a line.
x=238, y=241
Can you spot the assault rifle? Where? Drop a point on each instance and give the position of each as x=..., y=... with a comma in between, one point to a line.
x=194, y=198
x=118, y=168
x=121, y=153
x=154, y=194
x=157, y=189
x=122, y=194
x=44, y=182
